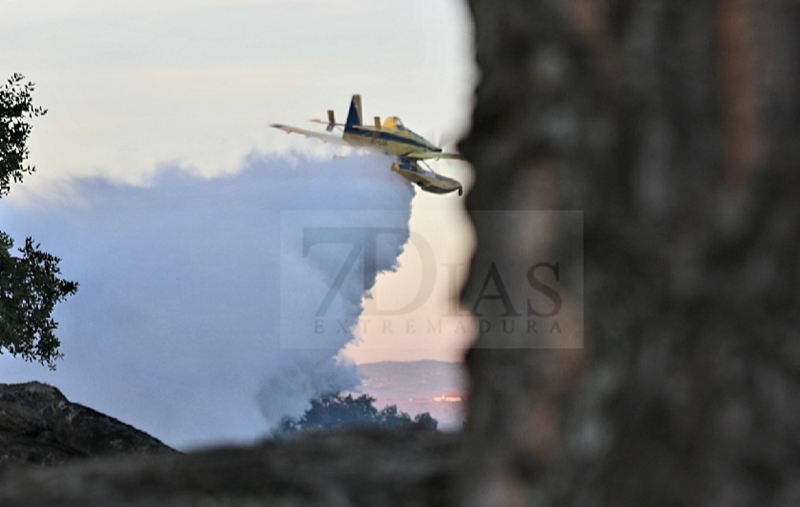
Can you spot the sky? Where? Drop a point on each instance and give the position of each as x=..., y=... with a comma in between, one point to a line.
x=133, y=86
x=157, y=125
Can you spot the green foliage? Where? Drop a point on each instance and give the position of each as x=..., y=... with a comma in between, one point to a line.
x=334, y=411
x=426, y=421
x=30, y=286
x=16, y=106
x=29, y=290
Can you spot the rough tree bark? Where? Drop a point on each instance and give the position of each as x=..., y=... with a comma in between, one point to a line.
x=674, y=126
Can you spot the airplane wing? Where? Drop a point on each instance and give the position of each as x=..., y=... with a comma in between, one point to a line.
x=328, y=138
x=323, y=122
x=423, y=155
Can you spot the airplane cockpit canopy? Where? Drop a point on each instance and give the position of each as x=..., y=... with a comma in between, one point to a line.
x=393, y=122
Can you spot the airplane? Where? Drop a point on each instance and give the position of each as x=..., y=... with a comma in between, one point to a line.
x=391, y=137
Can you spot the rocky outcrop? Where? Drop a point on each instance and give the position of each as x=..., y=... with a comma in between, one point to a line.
x=39, y=425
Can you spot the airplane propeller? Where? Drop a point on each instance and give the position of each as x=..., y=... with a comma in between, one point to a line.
x=444, y=139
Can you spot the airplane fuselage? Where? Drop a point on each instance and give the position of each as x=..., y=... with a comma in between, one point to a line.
x=391, y=137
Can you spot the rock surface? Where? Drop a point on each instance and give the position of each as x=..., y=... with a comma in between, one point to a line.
x=39, y=425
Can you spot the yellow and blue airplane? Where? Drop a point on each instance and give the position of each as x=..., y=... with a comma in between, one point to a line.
x=391, y=137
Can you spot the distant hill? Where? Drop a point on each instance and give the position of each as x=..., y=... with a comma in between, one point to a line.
x=40, y=426
x=418, y=386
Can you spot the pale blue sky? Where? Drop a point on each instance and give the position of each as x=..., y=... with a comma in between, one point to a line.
x=131, y=85
x=137, y=85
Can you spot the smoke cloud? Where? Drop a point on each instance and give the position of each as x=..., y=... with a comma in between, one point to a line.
x=198, y=314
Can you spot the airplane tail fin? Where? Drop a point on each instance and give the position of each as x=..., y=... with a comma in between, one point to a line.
x=354, y=116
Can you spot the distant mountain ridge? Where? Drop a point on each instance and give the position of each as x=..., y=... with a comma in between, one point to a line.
x=414, y=387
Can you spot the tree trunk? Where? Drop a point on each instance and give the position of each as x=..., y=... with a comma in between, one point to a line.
x=673, y=125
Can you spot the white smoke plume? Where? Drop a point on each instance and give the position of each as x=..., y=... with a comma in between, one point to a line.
x=193, y=313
